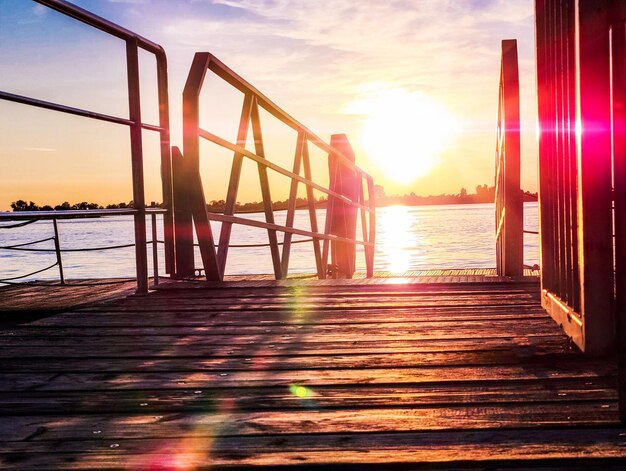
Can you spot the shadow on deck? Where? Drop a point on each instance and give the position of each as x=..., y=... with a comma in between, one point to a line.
x=375, y=373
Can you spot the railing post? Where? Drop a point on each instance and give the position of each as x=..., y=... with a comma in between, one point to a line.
x=192, y=180
x=57, y=250
x=136, y=146
x=371, y=195
x=155, y=251
x=166, y=163
x=342, y=216
x=509, y=198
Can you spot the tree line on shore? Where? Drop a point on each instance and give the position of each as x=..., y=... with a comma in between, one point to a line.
x=215, y=206
x=484, y=194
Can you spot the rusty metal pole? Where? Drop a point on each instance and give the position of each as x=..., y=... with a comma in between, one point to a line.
x=134, y=105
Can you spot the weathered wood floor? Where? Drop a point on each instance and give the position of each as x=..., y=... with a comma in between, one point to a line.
x=380, y=375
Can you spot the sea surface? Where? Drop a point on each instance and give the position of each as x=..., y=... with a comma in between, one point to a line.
x=407, y=238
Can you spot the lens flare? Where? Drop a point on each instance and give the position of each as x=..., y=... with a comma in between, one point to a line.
x=300, y=391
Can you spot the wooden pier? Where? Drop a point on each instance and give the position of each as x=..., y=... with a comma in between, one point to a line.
x=375, y=373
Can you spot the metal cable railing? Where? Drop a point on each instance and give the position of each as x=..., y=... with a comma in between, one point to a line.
x=134, y=43
x=27, y=246
x=54, y=216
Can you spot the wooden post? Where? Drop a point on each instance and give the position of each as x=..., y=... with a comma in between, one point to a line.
x=509, y=200
x=183, y=223
x=342, y=216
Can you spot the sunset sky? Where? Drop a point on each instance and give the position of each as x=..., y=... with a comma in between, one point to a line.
x=414, y=85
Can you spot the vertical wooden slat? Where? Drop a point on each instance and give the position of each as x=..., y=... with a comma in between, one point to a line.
x=136, y=148
x=545, y=178
x=552, y=148
x=233, y=184
x=560, y=151
x=573, y=168
x=291, y=208
x=265, y=191
x=371, y=194
x=619, y=171
x=593, y=112
x=362, y=213
x=310, y=196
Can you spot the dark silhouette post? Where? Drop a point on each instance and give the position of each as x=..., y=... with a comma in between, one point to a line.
x=342, y=216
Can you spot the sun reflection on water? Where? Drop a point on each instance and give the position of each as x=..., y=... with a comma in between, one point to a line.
x=396, y=241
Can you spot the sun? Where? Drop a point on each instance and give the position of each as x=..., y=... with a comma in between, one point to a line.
x=404, y=133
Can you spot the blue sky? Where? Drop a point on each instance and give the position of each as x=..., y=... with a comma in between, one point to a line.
x=315, y=59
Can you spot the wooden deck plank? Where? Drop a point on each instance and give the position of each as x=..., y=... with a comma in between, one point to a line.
x=261, y=373
x=487, y=449
x=219, y=420
x=181, y=399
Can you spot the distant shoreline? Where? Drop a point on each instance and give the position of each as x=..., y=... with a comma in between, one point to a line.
x=218, y=207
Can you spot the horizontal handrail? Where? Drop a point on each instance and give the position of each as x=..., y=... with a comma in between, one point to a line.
x=48, y=105
x=230, y=76
x=74, y=213
x=260, y=160
x=290, y=230
x=102, y=24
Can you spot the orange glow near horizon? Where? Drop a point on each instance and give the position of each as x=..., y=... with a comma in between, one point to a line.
x=404, y=133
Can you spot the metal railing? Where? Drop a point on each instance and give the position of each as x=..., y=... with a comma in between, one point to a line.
x=30, y=217
x=508, y=193
x=133, y=43
x=189, y=197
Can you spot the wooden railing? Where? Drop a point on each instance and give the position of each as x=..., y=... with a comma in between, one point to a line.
x=581, y=161
x=135, y=124
x=345, y=193
x=508, y=194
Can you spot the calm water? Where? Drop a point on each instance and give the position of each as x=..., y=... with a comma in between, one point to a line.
x=408, y=238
